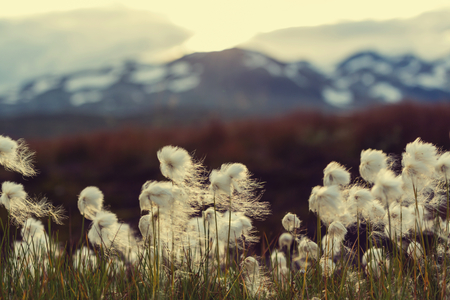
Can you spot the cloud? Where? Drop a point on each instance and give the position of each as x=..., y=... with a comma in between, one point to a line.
x=59, y=42
x=427, y=35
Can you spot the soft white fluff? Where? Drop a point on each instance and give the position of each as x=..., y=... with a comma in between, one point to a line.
x=388, y=187
x=12, y=192
x=251, y=273
x=15, y=156
x=146, y=226
x=8, y=146
x=376, y=269
x=308, y=249
x=331, y=245
x=325, y=199
x=372, y=161
x=220, y=182
x=290, y=222
x=423, y=152
x=335, y=174
x=159, y=193
x=327, y=266
x=415, y=251
x=90, y=202
x=337, y=230
x=237, y=172
x=358, y=199
x=278, y=259
x=34, y=235
x=402, y=221
x=374, y=212
x=84, y=259
x=443, y=165
x=175, y=163
x=373, y=254
x=285, y=240
x=103, y=229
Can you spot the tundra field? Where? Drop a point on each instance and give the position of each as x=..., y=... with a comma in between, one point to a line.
x=382, y=235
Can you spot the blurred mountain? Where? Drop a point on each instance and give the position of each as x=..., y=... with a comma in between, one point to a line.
x=230, y=83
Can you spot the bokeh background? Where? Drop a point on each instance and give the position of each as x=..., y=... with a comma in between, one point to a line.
x=284, y=87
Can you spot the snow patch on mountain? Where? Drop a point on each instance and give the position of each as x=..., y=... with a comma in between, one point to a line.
x=254, y=60
x=339, y=98
x=92, y=81
x=386, y=92
x=184, y=84
x=149, y=75
x=83, y=97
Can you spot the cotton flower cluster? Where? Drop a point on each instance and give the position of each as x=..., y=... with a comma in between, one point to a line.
x=184, y=219
x=394, y=205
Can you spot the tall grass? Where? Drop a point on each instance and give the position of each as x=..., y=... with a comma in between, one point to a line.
x=197, y=236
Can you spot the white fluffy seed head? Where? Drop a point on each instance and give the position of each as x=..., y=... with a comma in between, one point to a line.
x=250, y=266
x=337, y=230
x=159, y=193
x=372, y=161
x=15, y=156
x=327, y=265
x=285, y=240
x=278, y=259
x=374, y=212
x=8, y=146
x=32, y=230
x=290, y=222
x=12, y=192
x=415, y=251
x=335, y=174
x=373, y=254
x=308, y=249
x=388, y=187
x=358, y=199
x=423, y=152
x=175, y=163
x=331, y=245
x=220, y=182
x=102, y=224
x=325, y=199
x=443, y=165
x=90, y=202
x=237, y=172
x=146, y=226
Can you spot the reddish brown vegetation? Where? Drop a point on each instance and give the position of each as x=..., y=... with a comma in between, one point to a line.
x=288, y=153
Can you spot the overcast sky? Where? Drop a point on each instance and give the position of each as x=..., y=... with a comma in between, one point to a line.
x=217, y=25
x=54, y=37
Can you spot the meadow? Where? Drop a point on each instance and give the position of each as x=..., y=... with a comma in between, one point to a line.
x=374, y=223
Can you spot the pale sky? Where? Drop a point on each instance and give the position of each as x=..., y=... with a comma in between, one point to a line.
x=218, y=25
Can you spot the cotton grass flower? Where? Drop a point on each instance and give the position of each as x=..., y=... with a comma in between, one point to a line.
x=15, y=156
x=285, y=240
x=387, y=187
x=415, y=251
x=12, y=194
x=104, y=229
x=175, y=163
x=337, y=230
x=335, y=174
x=358, y=200
x=90, y=202
x=443, y=165
x=159, y=193
x=372, y=161
x=291, y=222
x=251, y=274
x=308, y=249
x=327, y=265
x=373, y=254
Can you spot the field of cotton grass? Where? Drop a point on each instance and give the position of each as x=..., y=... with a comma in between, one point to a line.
x=384, y=235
